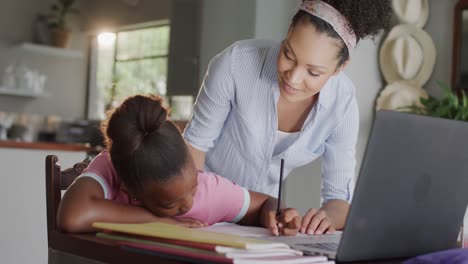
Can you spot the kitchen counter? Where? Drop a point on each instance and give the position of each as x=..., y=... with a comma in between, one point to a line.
x=46, y=146
x=63, y=146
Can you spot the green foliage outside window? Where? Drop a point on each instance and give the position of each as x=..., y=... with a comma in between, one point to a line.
x=140, y=64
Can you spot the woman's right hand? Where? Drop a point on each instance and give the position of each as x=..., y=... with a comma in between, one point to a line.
x=182, y=221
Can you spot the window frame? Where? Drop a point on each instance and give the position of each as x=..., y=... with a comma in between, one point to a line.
x=93, y=97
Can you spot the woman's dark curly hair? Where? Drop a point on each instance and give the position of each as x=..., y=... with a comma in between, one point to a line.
x=366, y=18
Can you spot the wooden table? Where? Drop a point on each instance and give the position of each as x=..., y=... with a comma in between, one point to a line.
x=89, y=249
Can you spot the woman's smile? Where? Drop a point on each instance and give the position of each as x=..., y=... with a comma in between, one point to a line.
x=290, y=89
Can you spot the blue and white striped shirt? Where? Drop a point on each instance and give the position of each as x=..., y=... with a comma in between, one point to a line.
x=235, y=123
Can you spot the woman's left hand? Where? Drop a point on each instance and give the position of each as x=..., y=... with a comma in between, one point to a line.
x=317, y=222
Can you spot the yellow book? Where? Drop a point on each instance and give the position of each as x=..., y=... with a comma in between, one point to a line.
x=162, y=230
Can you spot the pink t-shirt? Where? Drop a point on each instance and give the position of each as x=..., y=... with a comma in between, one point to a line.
x=216, y=200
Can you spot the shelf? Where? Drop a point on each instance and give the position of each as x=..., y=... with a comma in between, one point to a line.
x=50, y=50
x=20, y=92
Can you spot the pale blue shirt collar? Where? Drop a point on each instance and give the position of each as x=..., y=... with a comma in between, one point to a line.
x=269, y=68
x=270, y=72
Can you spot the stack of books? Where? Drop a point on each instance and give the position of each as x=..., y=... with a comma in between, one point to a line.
x=200, y=246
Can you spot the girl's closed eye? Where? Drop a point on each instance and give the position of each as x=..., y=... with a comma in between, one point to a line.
x=313, y=74
x=287, y=55
x=168, y=207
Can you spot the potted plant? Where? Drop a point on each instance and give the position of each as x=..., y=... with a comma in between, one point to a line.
x=451, y=105
x=55, y=29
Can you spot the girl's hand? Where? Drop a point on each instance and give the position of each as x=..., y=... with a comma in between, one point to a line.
x=317, y=222
x=181, y=221
x=288, y=223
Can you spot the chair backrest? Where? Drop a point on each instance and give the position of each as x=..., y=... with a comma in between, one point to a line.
x=56, y=181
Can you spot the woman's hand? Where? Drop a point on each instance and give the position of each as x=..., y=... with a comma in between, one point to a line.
x=317, y=222
x=287, y=223
x=182, y=221
x=327, y=219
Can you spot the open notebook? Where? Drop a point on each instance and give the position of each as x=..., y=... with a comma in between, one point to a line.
x=162, y=230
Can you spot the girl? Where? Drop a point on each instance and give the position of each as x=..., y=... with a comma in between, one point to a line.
x=263, y=101
x=147, y=174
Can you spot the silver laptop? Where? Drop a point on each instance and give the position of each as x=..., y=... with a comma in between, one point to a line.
x=411, y=194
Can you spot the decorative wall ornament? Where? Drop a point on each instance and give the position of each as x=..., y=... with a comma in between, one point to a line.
x=414, y=12
x=407, y=53
x=407, y=57
x=399, y=95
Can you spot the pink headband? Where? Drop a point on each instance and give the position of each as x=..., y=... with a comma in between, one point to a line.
x=333, y=17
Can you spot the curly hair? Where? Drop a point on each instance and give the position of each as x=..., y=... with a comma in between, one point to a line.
x=366, y=18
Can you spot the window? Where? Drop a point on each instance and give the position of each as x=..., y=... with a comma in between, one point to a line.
x=128, y=62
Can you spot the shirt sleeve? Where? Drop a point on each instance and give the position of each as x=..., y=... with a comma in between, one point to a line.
x=101, y=170
x=219, y=200
x=213, y=103
x=244, y=208
x=339, y=158
x=231, y=201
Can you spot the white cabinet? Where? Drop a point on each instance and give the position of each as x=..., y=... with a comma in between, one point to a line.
x=23, y=224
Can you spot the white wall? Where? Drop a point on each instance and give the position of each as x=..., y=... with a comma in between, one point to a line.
x=272, y=18
x=440, y=28
x=222, y=23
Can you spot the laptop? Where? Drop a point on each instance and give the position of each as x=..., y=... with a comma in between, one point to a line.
x=411, y=194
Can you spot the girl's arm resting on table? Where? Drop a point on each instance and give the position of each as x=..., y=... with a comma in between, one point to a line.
x=198, y=157
x=84, y=203
x=262, y=212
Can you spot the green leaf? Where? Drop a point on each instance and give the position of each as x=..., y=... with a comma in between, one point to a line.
x=464, y=99
x=450, y=105
x=453, y=100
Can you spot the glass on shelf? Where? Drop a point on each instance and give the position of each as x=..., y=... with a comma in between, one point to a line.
x=18, y=77
x=9, y=80
x=6, y=121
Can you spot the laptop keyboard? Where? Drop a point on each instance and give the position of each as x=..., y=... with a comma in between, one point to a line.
x=325, y=246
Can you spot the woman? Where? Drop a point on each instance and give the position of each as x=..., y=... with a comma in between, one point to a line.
x=261, y=102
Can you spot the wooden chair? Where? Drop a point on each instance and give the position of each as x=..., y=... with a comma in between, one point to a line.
x=82, y=248
x=57, y=181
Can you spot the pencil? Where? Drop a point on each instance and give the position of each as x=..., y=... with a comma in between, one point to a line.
x=278, y=210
